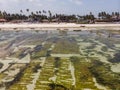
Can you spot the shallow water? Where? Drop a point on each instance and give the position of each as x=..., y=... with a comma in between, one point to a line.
x=103, y=45
x=89, y=41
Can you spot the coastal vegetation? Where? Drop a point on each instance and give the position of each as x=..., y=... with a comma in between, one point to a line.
x=66, y=46
x=86, y=71
x=42, y=51
x=116, y=58
x=55, y=75
x=48, y=16
x=1, y=65
x=104, y=75
x=26, y=77
x=84, y=78
x=67, y=60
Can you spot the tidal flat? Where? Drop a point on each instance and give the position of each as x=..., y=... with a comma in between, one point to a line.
x=60, y=60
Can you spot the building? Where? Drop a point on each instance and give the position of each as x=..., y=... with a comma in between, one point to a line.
x=3, y=20
x=17, y=21
x=55, y=20
x=45, y=21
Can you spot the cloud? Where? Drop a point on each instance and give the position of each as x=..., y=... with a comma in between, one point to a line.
x=27, y=1
x=30, y=0
x=79, y=2
x=8, y=1
x=51, y=0
x=4, y=3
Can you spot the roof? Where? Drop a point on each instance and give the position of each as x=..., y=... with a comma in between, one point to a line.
x=3, y=20
x=55, y=20
x=45, y=20
x=17, y=21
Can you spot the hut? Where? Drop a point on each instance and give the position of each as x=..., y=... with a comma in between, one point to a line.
x=55, y=20
x=17, y=21
x=3, y=20
x=45, y=21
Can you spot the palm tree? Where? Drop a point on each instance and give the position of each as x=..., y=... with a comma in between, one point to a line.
x=108, y=16
x=44, y=11
x=21, y=14
x=102, y=15
x=50, y=15
x=1, y=15
x=27, y=10
x=39, y=12
x=117, y=14
x=21, y=11
x=113, y=14
x=99, y=15
x=92, y=17
x=4, y=14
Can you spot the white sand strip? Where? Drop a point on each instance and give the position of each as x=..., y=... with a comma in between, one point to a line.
x=48, y=26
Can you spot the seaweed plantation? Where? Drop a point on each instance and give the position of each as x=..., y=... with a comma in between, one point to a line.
x=59, y=60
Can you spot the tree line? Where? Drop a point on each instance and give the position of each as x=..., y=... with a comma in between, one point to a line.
x=48, y=16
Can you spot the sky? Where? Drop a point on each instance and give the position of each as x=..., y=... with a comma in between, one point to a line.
x=61, y=6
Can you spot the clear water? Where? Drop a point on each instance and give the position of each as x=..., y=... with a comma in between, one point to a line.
x=103, y=45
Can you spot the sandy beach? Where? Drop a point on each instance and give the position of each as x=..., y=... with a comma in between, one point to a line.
x=56, y=26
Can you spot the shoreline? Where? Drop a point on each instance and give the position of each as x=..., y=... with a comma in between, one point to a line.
x=56, y=26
